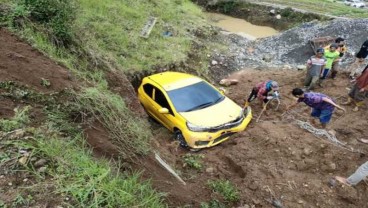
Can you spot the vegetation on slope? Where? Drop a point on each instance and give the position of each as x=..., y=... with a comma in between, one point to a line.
x=93, y=38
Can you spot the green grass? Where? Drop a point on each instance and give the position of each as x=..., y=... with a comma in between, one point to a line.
x=72, y=172
x=324, y=7
x=19, y=120
x=130, y=133
x=226, y=189
x=193, y=161
x=111, y=31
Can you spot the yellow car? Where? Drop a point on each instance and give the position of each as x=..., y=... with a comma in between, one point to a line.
x=198, y=113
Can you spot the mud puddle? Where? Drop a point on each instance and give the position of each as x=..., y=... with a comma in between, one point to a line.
x=240, y=26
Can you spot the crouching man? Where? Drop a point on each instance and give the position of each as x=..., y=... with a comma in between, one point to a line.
x=265, y=91
x=322, y=106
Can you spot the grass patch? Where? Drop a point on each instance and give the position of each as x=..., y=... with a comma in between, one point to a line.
x=19, y=120
x=130, y=133
x=212, y=204
x=111, y=30
x=227, y=190
x=193, y=161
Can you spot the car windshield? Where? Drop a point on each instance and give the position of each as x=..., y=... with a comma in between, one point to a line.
x=193, y=97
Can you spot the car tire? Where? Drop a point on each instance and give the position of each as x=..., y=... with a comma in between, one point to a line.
x=179, y=137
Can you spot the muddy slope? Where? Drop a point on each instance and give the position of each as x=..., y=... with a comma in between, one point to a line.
x=275, y=158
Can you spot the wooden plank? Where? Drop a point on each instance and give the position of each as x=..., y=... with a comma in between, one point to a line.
x=168, y=168
x=146, y=30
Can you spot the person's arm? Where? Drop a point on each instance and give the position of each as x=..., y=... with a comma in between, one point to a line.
x=365, y=88
x=309, y=64
x=322, y=68
x=327, y=100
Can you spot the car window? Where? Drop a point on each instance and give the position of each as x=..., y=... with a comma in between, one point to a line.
x=194, y=97
x=161, y=100
x=148, y=89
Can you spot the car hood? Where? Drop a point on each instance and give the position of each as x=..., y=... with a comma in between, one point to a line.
x=215, y=115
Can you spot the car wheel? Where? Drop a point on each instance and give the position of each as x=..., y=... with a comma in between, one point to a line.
x=179, y=137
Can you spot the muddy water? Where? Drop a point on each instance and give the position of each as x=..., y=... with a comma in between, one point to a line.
x=240, y=26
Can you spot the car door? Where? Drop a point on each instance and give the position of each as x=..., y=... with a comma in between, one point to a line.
x=161, y=101
x=148, y=101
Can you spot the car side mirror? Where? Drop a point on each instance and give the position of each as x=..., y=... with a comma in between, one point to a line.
x=164, y=111
x=222, y=90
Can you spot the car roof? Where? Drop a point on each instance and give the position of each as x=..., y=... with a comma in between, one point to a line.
x=173, y=80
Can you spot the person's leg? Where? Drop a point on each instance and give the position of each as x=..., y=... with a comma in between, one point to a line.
x=359, y=175
x=307, y=81
x=252, y=96
x=325, y=117
x=313, y=82
x=334, y=69
x=356, y=67
x=351, y=95
x=325, y=73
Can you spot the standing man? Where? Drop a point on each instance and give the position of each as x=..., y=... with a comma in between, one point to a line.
x=354, y=179
x=359, y=92
x=265, y=91
x=341, y=48
x=322, y=105
x=361, y=55
x=315, y=66
x=330, y=55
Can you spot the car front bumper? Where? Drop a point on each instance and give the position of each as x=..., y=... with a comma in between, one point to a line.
x=199, y=140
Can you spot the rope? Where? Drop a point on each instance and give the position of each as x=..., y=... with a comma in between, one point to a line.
x=265, y=107
x=319, y=132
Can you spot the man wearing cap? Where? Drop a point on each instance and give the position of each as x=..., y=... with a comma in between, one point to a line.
x=264, y=91
x=315, y=66
x=322, y=105
x=330, y=55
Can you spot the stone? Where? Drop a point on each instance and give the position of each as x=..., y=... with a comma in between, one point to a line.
x=209, y=170
x=214, y=62
x=301, y=67
x=272, y=11
x=278, y=16
x=40, y=162
x=23, y=160
x=267, y=58
x=228, y=82
x=307, y=151
x=42, y=169
x=332, y=166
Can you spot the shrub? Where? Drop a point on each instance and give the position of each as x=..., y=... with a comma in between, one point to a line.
x=57, y=17
x=20, y=119
x=226, y=189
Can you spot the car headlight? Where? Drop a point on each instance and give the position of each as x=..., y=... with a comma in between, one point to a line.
x=195, y=128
